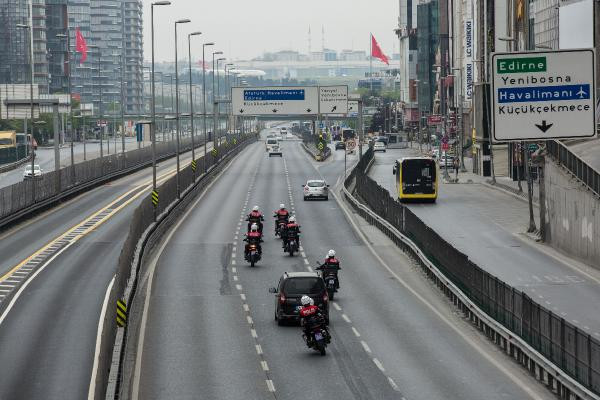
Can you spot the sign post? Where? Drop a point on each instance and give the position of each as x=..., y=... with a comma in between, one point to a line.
x=333, y=99
x=543, y=95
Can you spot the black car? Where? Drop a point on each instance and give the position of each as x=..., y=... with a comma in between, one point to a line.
x=292, y=286
x=340, y=146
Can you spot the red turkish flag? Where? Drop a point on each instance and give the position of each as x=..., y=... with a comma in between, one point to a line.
x=377, y=52
x=80, y=45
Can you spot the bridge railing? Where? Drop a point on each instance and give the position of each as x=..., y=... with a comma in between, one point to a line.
x=574, y=164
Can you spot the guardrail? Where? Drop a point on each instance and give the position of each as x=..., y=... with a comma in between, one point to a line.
x=144, y=232
x=18, y=201
x=560, y=355
x=574, y=164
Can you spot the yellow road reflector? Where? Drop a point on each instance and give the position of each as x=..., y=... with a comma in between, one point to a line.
x=194, y=165
x=320, y=146
x=121, y=313
x=155, y=198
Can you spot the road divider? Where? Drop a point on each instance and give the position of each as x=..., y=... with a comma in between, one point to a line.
x=144, y=233
x=318, y=155
x=558, y=354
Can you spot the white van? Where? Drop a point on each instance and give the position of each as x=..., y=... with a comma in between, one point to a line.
x=273, y=147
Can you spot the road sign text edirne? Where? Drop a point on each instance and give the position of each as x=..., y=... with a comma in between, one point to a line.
x=543, y=95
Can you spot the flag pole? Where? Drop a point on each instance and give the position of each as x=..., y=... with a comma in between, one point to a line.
x=371, y=61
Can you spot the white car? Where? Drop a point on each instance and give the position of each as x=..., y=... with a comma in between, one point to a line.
x=37, y=172
x=316, y=188
x=379, y=146
x=273, y=147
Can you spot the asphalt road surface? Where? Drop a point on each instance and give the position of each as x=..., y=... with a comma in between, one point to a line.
x=208, y=328
x=488, y=226
x=48, y=336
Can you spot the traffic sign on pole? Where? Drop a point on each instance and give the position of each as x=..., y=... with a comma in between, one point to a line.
x=333, y=99
x=275, y=100
x=543, y=95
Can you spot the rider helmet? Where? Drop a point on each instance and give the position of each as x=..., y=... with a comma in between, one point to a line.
x=255, y=208
x=282, y=206
x=292, y=219
x=254, y=227
x=306, y=301
x=331, y=253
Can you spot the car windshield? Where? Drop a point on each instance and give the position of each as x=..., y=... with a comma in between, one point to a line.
x=316, y=183
x=300, y=286
x=272, y=141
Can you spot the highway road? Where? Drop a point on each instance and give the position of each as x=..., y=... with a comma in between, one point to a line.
x=207, y=326
x=48, y=333
x=488, y=226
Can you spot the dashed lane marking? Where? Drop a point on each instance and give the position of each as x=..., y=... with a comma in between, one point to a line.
x=306, y=262
x=337, y=306
x=233, y=262
x=238, y=287
x=394, y=386
x=253, y=333
x=365, y=346
x=233, y=269
x=243, y=296
x=245, y=307
x=264, y=365
x=235, y=278
x=379, y=364
x=355, y=332
x=346, y=318
x=270, y=385
x=249, y=319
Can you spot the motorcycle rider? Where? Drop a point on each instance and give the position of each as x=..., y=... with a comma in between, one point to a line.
x=291, y=229
x=281, y=215
x=255, y=217
x=310, y=315
x=330, y=265
x=253, y=237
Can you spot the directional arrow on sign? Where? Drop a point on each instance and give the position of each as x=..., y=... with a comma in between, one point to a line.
x=308, y=110
x=334, y=108
x=544, y=127
x=274, y=110
x=241, y=110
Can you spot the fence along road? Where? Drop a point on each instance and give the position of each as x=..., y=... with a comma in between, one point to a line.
x=210, y=326
x=556, y=317
x=49, y=335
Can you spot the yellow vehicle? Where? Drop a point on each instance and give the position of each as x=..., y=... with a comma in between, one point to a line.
x=416, y=179
x=8, y=139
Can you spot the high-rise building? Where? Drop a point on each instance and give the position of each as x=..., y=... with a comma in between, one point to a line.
x=427, y=44
x=407, y=35
x=133, y=44
x=58, y=54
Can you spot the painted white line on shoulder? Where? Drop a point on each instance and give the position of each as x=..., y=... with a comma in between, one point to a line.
x=270, y=386
x=245, y=307
x=249, y=319
x=243, y=296
x=355, y=332
x=379, y=364
x=394, y=386
x=337, y=306
x=306, y=262
x=238, y=287
x=253, y=333
x=264, y=365
x=346, y=318
x=365, y=346
x=92, y=387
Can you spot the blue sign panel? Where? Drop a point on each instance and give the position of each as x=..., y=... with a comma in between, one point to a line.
x=272, y=95
x=544, y=93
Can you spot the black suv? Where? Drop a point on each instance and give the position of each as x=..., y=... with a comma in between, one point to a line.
x=292, y=286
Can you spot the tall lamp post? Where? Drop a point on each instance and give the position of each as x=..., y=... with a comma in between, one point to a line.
x=204, y=100
x=153, y=125
x=227, y=92
x=181, y=21
x=192, y=98
x=217, y=103
x=214, y=99
x=29, y=31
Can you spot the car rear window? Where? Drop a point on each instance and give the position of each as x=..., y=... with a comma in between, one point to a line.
x=300, y=286
x=316, y=184
x=272, y=141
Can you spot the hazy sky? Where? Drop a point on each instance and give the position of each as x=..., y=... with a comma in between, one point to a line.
x=244, y=29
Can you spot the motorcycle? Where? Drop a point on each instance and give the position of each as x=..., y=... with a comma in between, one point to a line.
x=318, y=335
x=291, y=245
x=279, y=226
x=331, y=282
x=252, y=255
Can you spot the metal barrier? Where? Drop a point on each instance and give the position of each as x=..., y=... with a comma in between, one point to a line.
x=575, y=165
x=566, y=347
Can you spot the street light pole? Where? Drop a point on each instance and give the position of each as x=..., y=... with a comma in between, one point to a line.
x=153, y=125
x=30, y=32
x=191, y=98
x=181, y=21
x=204, y=101
x=215, y=145
x=217, y=103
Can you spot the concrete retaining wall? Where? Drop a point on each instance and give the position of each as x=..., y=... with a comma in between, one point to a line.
x=572, y=216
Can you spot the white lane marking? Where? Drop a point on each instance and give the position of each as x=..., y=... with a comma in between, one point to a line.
x=243, y=296
x=393, y=385
x=233, y=255
x=309, y=268
x=10, y=286
x=379, y=365
x=346, y=318
x=235, y=237
x=233, y=262
x=270, y=385
x=245, y=307
x=92, y=388
x=365, y=346
x=301, y=248
x=235, y=278
x=306, y=261
x=154, y=262
x=303, y=254
x=264, y=366
x=337, y=306
x=442, y=317
x=249, y=319
x=233, y=269
x=233, y=249
x=253, y=333
x=575, y=321
x=238, y=287
x=355, y=332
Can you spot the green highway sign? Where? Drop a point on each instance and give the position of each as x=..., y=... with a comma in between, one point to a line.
x=543, y=95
